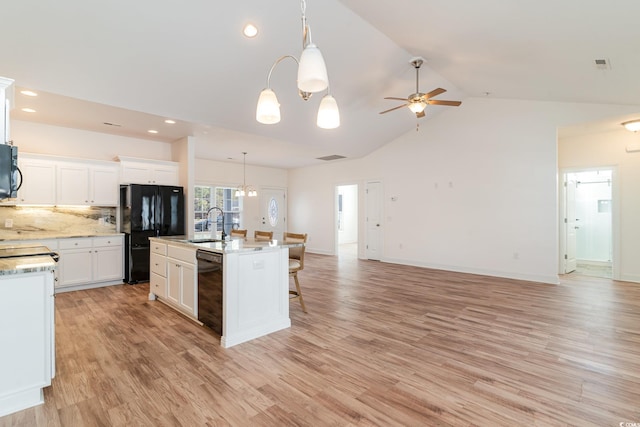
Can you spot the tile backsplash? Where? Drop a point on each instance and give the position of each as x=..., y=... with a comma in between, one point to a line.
x=18, y=222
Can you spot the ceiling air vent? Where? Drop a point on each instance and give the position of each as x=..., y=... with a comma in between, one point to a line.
x=602, y=64
x=332, y=157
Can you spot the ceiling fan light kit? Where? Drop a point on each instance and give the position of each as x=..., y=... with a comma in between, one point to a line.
x=417, y=102
x=632, y=125
x=312, y=78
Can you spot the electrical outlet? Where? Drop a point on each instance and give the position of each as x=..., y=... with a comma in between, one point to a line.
x=8, y=223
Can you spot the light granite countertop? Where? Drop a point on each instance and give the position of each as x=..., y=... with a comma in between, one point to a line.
x=53, y=235
x=234, y=245
x=13, y=261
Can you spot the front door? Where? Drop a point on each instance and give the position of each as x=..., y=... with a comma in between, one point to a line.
x=273, y=211
x=374, y=220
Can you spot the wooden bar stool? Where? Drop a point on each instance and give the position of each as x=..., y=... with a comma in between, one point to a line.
x=239, y=233
x=263, y=235
x=296, y=263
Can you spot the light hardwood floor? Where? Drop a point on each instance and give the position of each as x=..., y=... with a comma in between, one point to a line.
x=382, y=344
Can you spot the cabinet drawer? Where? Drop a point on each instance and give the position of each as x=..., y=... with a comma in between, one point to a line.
x=107, y=241
x=182, y=254
x=158, y=248
x=158, y=264
x=158, y=285
x=75, y=243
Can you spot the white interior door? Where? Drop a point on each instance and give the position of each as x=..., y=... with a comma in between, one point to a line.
x=273, y=211
x=374, y=220
x=571, y=225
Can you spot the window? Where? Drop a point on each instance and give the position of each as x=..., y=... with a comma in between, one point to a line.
x=206, y=197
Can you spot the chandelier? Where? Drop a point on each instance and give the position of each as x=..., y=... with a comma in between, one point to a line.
x=312, y=78
x=244, y=189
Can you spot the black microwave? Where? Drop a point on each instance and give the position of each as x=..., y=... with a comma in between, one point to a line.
x=10, y=176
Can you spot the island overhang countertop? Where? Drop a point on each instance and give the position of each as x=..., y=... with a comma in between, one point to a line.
x=233, y=245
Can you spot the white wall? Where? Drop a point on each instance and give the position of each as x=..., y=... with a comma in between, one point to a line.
x=608, y=149
x=46, y=139
x=477, y=187
x=211, y=172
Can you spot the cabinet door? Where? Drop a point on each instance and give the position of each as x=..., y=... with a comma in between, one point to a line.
x=75, y=267
x=165, y=175
x=104, y=186
x=188, y=290
x=38, y=182
x=173, y=281
x=135, y=173
x=107, y=263
x=73, y=184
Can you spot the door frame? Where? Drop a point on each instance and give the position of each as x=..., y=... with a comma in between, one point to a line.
x=615, y=216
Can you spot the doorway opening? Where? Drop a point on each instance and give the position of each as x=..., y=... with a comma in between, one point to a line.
x=347, y=220
x=588, y=222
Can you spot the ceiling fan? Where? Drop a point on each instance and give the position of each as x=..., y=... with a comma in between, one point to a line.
x=418, y=101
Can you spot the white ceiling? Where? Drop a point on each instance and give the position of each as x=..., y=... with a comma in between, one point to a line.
x=137, y=63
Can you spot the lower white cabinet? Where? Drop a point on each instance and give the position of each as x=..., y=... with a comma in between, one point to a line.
x=174, y=276
x=90, y=260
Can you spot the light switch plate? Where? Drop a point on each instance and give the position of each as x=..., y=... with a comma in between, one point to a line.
x=8, y=223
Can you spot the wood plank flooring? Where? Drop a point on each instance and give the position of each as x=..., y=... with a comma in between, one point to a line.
x=381, y=345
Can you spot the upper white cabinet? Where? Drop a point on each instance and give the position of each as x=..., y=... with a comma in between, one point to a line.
x=87, y=184
x=38, y=181
x=50, y=180
x=142, y=171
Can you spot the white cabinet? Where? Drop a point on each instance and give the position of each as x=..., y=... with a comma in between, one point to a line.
x=38, y=181
x=174, y=276
x=87, y=184
x=90, y=260
x=142, y=171
x=107, y=258
x=27, y=359
x=158, y=269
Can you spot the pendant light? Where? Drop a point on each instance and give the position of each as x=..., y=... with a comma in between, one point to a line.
x=244, y=189
x=312, y=78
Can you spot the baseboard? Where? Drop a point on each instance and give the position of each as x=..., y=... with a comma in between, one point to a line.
x=550, y=279
x=87, y=286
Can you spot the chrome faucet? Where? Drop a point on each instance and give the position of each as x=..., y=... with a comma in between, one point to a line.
x=222, y=214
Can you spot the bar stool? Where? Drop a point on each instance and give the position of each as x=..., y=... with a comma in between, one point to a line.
x=296, y=263
x=263, y=235
x=239, y=233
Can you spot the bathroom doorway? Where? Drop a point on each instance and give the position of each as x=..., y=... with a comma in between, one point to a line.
x=588, y=222
x=347, y=220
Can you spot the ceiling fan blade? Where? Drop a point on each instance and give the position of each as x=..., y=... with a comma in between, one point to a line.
x=434, y=92
x=449, y=103
x=397, y=99
x=420, y=114
x=394, y=108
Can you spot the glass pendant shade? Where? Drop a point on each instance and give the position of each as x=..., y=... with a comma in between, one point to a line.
x=328, y=113
x=312, y=71
x=418, y=107
x=268, y=109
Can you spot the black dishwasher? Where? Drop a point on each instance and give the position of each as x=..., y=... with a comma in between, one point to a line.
x=210, y=289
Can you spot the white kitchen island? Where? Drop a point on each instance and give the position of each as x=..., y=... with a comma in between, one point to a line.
x=255, y=283
x=27, y=338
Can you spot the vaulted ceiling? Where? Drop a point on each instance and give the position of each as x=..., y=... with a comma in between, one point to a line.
x=133, y=64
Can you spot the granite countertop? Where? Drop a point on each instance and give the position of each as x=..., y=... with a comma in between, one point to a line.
x=27, y=264
x=54, y=235
x=234, y=245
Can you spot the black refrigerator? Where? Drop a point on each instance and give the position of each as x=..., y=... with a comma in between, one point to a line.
x=147, y=211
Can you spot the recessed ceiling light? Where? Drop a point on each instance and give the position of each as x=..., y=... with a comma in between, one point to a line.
x=28, y=93
x=250, y=30
x=170, y=122
x=152, y=131
x=28, y=110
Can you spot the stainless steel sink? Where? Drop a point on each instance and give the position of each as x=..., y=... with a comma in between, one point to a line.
x=204, y=240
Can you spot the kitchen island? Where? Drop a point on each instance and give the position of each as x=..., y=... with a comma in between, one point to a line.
x=27, y=338
x=254, y=288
